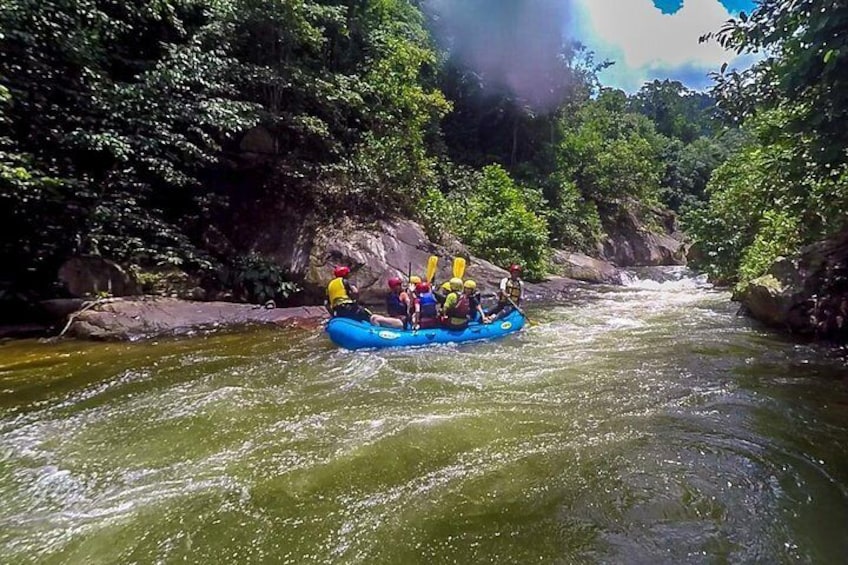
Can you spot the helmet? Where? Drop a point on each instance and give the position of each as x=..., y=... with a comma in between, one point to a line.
x=341, y=271
x=415, y=279
x=395, y=282
x=470, y=284
x=456, y=283
x=514, y=268
x=422, y=287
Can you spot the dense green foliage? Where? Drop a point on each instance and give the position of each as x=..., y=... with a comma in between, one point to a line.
x=676, y=111
x=787, y=186
x=257, y=279
x=134, y=130
x=611, y=156
x=119, y=115
x=496, y=218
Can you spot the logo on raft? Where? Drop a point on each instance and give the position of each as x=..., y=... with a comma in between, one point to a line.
x=506, y=325
x=388, y=335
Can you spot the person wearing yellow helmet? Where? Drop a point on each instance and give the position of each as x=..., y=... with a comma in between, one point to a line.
x=414, y=281
x=457, y=306
x=469, y=288
x=412, y=284
x=442, y=292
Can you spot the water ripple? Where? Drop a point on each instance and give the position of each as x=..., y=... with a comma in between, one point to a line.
x=644, y=424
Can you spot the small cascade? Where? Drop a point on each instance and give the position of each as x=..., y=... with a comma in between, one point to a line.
x=673, y=278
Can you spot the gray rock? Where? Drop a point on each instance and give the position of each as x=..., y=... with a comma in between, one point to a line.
x=806, y=294
x=89, y=275
x=767, y=299
x=632, y=244
x=59, y=308
x=375, y=252
x=145, y=317
x=584, y=268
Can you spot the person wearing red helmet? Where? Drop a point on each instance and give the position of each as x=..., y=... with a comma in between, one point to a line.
x=511, y=291
x=426, y=307
x=397, y=302
x=341, y=297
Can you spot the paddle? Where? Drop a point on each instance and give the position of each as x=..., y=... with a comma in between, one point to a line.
x=520, y=311
x=458, y=267
x=432, y=263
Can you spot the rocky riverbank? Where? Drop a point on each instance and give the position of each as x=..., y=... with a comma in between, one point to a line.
x=806, y=294
x=307, y=252
x=136, y=318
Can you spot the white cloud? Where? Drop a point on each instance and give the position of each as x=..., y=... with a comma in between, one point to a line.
x=647, y=44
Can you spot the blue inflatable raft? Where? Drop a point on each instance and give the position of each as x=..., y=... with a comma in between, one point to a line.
x=351, y=334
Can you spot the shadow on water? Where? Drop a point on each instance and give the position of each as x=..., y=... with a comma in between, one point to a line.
x=639, y=424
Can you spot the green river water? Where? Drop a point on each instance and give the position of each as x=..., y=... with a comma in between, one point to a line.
x=645, y=424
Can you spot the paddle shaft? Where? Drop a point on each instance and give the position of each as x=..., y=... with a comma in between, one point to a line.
x=520, y=311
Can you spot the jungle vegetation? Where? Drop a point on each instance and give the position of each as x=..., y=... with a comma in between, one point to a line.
x=122, y=125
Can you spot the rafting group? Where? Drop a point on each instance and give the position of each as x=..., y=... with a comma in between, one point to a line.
x=418, y=304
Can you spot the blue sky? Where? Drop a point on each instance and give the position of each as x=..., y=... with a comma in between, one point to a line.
x=655, y=39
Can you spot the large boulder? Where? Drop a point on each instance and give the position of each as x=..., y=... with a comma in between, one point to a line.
x=90, y=275
x=806, y=294
x=387, y=248
x=144, y=317
x=633, y=244
x=771, y=300
x=308, y=250
x=584, y=268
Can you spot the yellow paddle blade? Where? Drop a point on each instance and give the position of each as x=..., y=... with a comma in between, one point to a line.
x=458, y=267
x=432, y=263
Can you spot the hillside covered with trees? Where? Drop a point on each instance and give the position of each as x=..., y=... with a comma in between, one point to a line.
x=124, y=124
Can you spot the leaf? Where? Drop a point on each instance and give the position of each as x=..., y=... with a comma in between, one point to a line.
x=830, y=55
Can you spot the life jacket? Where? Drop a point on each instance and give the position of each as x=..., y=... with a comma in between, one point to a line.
x=395, y=306
x=428, y=304
x=458, y=315
x=513, y=289
x=337, y=292
x=474, y=300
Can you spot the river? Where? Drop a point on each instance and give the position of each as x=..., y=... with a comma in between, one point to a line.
x=639, y=424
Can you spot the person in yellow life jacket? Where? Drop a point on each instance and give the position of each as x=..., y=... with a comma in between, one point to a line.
x=457, y=306
x=511, y=288
x=340, y=297
x=475, y=301
x=340, y=293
